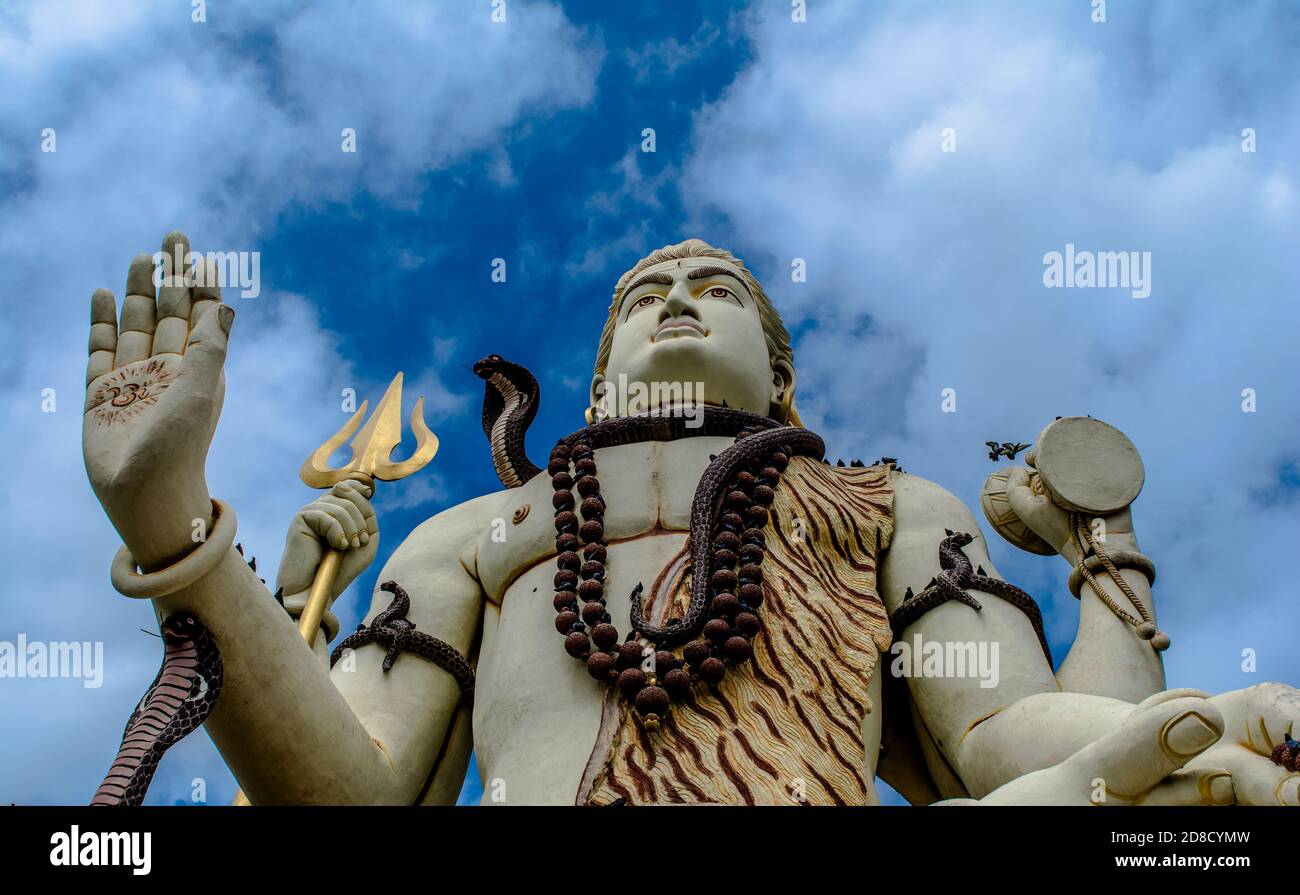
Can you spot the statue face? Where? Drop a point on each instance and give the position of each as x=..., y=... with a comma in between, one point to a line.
x=690, y=323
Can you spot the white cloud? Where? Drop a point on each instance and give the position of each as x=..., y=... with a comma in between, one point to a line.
x=218, y=129
x=924, y=267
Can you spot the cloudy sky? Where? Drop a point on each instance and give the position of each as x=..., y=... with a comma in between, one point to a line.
x=821, y=140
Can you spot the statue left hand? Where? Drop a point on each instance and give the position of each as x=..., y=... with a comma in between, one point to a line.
x=1045, y=518
x=1170, y=751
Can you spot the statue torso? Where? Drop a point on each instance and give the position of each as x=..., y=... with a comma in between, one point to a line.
x=799, y=720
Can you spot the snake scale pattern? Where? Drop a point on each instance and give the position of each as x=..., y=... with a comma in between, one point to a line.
x=179, y=700
x=394, y=631
x=952, y=583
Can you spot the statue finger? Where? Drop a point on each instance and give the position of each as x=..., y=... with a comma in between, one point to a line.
x=207, y=289
x=103, y=334
x=1126, y=764
x=174, y=296
x=1198, y=786
x=354, y=493
x=327, y=527
x=139, y=313
x=1258, y=781
x=354, y=524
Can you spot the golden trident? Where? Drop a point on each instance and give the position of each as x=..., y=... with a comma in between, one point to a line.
x=371, y=457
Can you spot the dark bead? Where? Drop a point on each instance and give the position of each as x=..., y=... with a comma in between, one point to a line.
x=770, y=474
x=696, y=652
x=666, y=661
x=723, y=579
x=712, y=670
x=732, y=522
x=595, y=553
x=592, y=531
x=726, y=540
x=751, y=573
x=653, y=701
x=564, y=601
x=748, y=623
x=751, y=553
x=566, y=522
x=593, y=613
x=757, y=515
x=717, y=630
x=565, y=621
x=737, y=649
x=779, y=460
x=677, y=682
x=566, y=579
x=557, y=466
x=753, y=536
x=568, y=560
x=580, y=450
x=631, y=681
x=592, y=569
x=560, y=451
x=726, y=604
x=576, y=644
x=724, y=559
x=764, y=495
x=592, y=508
x=588, y=485
x=629, y=653
x=605, y=636
x=737, y=500
x=561, y=481
x=600, y=665
x=567, y=541
x=562, y=500
x=585, y=467
x=751, y=594
x=591, y=589
x=745, y=479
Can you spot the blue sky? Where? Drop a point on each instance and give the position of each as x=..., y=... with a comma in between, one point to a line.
x=817, y=140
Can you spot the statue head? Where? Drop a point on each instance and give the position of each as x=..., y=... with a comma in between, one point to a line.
x=690, y=317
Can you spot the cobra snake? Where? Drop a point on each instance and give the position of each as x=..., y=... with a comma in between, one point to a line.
x=952, y=583
x=393, y=630
x=179, y=700
x=510, y=397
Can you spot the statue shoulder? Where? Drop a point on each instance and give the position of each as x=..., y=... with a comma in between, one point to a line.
x=921, y=505
x=455, y=530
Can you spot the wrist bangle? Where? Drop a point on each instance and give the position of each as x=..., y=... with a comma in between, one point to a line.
x=1123, y=559
x=183, y=572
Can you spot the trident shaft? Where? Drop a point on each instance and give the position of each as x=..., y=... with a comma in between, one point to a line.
x=372, y=457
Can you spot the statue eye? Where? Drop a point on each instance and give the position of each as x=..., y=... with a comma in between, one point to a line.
x=719, y=292
x=645, y=301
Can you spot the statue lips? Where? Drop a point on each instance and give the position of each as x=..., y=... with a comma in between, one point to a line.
x=679, y=326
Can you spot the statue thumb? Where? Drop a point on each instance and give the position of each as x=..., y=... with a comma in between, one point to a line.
x=205, y=353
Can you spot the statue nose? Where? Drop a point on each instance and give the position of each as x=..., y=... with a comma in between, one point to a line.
x=679, y=304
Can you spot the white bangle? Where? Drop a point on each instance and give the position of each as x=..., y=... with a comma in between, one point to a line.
x=185, y=571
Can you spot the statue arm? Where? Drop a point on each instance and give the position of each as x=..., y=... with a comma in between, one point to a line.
x=949, y=707
x=294, y=733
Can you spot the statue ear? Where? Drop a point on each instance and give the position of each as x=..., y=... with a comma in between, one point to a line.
x=782, y=390
x=599, y=397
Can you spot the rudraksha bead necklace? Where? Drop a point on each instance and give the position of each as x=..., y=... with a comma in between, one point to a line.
x=735, y=578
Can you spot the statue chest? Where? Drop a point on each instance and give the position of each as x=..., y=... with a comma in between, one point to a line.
x=798, y=722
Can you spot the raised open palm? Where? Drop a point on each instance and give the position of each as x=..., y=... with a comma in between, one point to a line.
x=154, y=390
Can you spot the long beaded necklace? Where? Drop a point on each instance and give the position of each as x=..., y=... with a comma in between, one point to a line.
x=735, y=589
